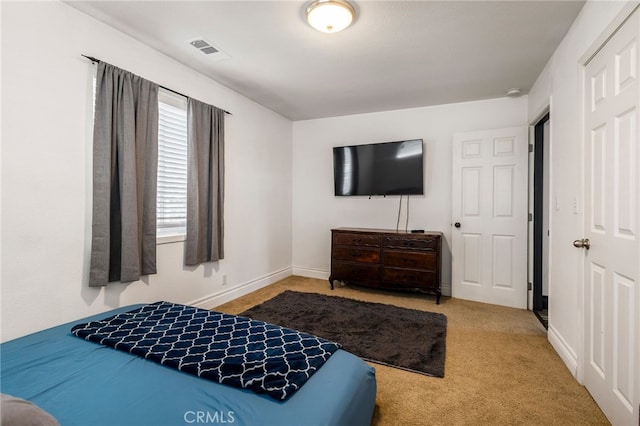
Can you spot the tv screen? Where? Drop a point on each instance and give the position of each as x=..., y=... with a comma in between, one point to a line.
x=391, y=168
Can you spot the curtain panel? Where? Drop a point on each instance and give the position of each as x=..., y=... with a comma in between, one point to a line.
x=205, y=183
x=125, y=161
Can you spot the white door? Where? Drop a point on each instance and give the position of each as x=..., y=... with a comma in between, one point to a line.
x=612, y=225
x=489, y=216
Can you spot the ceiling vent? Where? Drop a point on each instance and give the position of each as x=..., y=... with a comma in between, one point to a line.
x=203, y=45
x=206, y=47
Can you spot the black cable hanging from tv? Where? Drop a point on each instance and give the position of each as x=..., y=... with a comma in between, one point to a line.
x=96, y=61
x=406, y=224
x=399, y=210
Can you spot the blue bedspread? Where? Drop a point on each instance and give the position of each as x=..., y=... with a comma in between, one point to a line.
x=83, y=383
x=228, y=349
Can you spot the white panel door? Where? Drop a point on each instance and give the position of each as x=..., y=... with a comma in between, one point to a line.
x=612, y=226
x=489, y=244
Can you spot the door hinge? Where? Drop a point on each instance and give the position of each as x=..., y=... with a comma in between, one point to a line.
x=529, y=286
x=530, y=147
x=530, y=217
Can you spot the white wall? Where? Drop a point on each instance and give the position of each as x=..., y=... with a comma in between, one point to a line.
x=560, y=87
x=315, y=208
x=46, y=175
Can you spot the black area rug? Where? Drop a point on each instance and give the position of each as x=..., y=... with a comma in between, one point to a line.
x=403, y=338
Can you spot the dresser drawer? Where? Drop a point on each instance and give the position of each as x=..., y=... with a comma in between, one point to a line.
x=355, y=272
x=411, y=259
x=410, y=277
x=405, y=242
x=357, y=254
x=346, y=239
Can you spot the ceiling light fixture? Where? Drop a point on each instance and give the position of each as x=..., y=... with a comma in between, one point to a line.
x=514, y=93
x=330, y=16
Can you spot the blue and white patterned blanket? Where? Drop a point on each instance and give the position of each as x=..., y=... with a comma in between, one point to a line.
x=225, y=348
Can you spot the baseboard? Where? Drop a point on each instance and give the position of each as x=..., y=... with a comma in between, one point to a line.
x=565, y=352
x=311, y=273
x=446, y=289
x=219, y=298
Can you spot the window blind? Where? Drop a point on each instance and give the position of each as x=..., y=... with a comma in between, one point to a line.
x=172, y=164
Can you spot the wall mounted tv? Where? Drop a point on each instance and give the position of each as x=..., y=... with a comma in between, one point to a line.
x=391, y=168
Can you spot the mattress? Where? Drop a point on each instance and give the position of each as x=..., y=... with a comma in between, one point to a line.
x=84, y=383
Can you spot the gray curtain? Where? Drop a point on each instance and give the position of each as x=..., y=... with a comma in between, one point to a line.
x=205, y=184
x=125, y=161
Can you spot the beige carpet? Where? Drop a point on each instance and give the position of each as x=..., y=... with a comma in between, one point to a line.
x=499, y=370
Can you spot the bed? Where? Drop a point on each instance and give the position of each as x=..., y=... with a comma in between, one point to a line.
x=85, y=383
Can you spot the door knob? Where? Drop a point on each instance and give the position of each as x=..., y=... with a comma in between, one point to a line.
x=583, y=243
x=457, y=224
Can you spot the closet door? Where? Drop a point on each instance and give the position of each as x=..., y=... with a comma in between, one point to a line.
x=611, y=241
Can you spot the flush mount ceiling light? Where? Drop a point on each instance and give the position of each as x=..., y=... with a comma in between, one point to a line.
x=514, y=93
x=330, y=16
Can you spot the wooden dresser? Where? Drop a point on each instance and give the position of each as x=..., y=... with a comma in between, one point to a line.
x=387, y=259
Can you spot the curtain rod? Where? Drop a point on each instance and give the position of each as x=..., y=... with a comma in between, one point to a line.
x=94, y=60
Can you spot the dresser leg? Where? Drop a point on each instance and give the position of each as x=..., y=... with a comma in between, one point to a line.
x=331, y=282
x=438, y=298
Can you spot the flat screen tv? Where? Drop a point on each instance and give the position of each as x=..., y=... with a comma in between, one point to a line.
x=391, y=168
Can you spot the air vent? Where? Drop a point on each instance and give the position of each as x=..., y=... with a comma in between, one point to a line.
x=207, y=48
x=203, y=45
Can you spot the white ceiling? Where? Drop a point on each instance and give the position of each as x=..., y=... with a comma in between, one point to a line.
x=398, y=54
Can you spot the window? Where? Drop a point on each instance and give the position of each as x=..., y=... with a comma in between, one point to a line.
x=171, y=208
x=172, y=164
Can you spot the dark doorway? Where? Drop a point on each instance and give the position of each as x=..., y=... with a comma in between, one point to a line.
x=541, y=220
